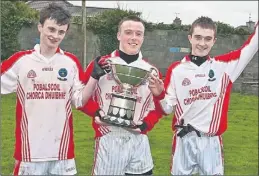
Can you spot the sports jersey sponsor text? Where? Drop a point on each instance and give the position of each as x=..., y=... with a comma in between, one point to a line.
x=200, y=75
x=47, y=69
x=46, y=87
x=203, y=93
x=46, y=91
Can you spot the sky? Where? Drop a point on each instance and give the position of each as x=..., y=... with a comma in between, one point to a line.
x=235, y=13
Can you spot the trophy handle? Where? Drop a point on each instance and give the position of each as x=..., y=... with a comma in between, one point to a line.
x=153, y=71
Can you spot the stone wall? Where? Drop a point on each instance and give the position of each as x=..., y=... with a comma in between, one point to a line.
x=161, y=47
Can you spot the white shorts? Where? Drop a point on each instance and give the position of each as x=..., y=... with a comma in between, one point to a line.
x=120, y=153
x=56, y=167
x=192, y=154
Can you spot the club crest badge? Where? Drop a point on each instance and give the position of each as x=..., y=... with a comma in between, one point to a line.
x=62, y=74
x=211, y=75
x=31, y=74
x=186, y=82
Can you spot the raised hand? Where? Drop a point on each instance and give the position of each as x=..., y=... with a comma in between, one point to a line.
x=101, y=67
x=156, y=85
x=105, y=64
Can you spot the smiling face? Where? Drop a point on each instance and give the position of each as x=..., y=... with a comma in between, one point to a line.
x=202, y=40
x=131, y=37
x=51, y=34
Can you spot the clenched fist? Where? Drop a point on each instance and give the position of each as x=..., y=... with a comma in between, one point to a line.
x=101, y=67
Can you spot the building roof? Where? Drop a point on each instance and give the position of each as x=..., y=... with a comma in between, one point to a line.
x=74, y=10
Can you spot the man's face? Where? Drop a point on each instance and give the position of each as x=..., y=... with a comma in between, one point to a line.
x=51, y=34
x=131, y=36
x=202, y=41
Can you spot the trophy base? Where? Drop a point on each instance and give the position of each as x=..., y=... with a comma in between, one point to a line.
x=118, y=121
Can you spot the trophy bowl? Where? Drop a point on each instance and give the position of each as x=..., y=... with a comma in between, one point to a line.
x=122, y=106
x=124, y=74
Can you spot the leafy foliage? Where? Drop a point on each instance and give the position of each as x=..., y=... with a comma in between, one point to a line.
x=226, y=29
x=14, y=15
x=162, y=26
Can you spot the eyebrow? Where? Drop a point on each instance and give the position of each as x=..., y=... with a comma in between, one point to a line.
x=50, y=27
x=133, y=30
x=202, y=36
x=61, y=31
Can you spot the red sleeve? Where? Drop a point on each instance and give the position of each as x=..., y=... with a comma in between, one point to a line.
x=91, y=106
x=151, y=119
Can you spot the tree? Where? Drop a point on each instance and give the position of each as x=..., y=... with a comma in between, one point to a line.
x=105, y=26
x=223, y=28
x=14, y=15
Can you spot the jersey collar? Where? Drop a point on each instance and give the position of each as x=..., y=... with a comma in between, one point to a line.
x=188, y=59
x=116, y=53
x=37, y=49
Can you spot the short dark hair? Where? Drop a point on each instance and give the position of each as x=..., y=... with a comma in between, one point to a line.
x=130, y=18
x=55, y=12
x=204, y=22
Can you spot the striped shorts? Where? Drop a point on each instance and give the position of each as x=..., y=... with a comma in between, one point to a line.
x=192, y=154
x=56, y=167
x=120, y=152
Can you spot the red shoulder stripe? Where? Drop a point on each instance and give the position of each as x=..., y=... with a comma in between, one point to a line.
x=234, y=55
x=6, y=64
x=169, y=73
x=79, y=66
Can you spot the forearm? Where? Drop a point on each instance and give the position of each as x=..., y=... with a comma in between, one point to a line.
x=167, y=108
x=88, y=90
x=236, y=61
x=162, y=103
x=90, y=107
x=155, y=115
x=151, y=119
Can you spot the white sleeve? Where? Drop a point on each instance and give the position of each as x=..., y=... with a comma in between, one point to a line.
x=77, y=88
x=170, y=100
x=237, y=60
x=9, y=76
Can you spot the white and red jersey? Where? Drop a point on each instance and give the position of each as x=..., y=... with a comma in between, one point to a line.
x=145, y=109
x=45, y=90
x=200, y=94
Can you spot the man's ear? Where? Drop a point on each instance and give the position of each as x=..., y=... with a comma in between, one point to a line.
x=39, y=27
x=189, y=38
x=215, y=39
x=119, y=35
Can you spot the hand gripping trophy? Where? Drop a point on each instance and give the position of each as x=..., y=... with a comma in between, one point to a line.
x=122, y=106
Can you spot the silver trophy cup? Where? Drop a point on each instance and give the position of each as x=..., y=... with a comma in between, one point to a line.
x=122, y=106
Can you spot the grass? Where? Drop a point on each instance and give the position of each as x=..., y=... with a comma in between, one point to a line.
x=240, y=140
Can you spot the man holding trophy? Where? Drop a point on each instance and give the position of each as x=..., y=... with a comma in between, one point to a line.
x=122, y=105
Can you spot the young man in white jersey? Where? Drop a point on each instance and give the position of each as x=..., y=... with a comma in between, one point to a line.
x=47, y=81
x=120, y=151
x=197, y=88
